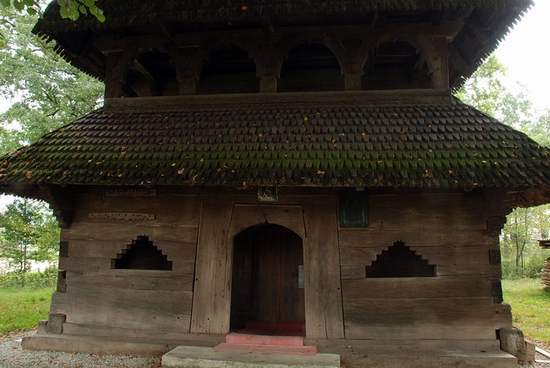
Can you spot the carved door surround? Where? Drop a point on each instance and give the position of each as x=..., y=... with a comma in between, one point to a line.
x=315, y=224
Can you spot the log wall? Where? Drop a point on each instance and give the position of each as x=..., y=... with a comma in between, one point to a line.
x=140, y=303
x=195, y=231
x=447, y=230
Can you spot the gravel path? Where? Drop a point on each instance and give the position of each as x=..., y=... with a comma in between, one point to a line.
x=13, y=356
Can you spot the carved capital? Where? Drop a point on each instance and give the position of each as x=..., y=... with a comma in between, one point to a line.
x=268, y=84
x=353, y=81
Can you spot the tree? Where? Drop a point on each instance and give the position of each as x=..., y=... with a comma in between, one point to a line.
x=28, y=233
x=68, y=8
x=524, y=226
x=521, y=255
x=485, y=91
x=48, y=92
x=539, y=129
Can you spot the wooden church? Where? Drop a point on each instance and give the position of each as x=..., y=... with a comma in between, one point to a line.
x=293, y=163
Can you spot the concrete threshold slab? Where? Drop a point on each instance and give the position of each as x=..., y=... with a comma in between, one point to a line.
x=202, y=357
x=384, y=357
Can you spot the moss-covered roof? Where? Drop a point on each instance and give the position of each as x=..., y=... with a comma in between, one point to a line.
x=486, y=24
x=345, y=140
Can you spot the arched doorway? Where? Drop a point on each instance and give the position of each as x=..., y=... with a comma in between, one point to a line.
x=267, y=282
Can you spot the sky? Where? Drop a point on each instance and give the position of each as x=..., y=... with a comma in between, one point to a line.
x=525, y=53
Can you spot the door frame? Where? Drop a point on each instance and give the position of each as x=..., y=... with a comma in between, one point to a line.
x=284, y=248
x=315, y=223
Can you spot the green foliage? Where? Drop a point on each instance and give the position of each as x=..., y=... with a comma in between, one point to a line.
x=29, y=232
x=530, y=266
x=71, y=9
x=30, y=280
x=48, y=92
x=521, y=254
x=529, y=303
x=486, y=92
x=540, y=129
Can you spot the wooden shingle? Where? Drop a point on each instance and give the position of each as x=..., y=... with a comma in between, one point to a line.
x=452, y=146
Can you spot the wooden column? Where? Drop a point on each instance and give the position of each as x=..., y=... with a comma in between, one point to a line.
x=441, y=76
x=212, y=291
x=113, y=77
x=268, y=84
x=323, y=295
x=353, y=81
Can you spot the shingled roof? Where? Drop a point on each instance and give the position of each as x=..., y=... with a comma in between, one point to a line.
x=487, y=21
x=334, y=140
x=124, y=13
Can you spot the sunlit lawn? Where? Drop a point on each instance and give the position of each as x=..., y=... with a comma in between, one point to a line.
x=530, y=307
x=21, y=309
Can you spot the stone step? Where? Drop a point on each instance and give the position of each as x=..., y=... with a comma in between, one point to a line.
x=382, y=357
x=201, y=357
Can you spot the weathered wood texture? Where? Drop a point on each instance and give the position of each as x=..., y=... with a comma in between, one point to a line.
x=144, y=301
x=265, y=285
x=323, y=292
x=212, y=300
x=315, y=223
x=546, y=273
x=449, y=231
x=434, y=318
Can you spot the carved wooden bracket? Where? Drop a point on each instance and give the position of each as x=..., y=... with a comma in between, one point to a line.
x=498, y=204
x=61, y=202
x=351, y=45
x=435, y=54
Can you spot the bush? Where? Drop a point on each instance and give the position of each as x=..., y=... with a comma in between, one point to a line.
x=30, y=280
x=531, y=268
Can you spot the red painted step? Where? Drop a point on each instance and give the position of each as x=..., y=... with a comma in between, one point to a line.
x=265, y=337
x=251, y=339
x=275, y=328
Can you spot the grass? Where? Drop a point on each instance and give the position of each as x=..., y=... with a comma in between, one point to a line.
x=21, y=309
x=530, y=307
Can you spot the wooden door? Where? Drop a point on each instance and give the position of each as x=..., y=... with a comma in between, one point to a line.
x=267, y=276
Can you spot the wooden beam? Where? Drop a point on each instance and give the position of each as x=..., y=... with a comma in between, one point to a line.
x=447, y=29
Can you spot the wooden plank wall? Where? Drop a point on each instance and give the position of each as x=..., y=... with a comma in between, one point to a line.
x=448, y=231
x=138, y=303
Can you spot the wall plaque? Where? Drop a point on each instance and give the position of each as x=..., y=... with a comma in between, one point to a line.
x=122, y=216
x=267, y=194
x=131, y=192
